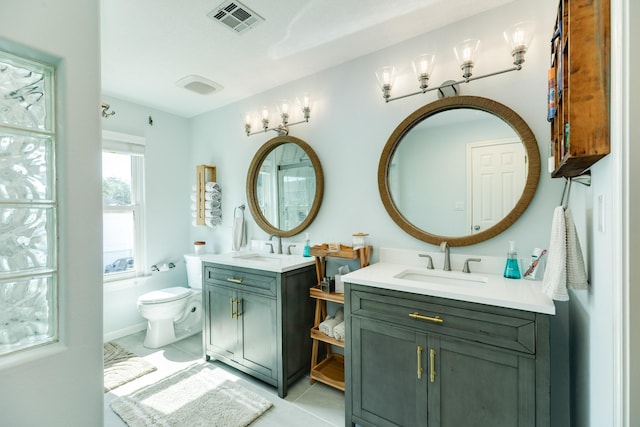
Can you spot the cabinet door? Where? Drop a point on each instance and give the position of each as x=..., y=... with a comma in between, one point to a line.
x=384, y=373
x=478, y=386
x=222, y=326
x=257, y=315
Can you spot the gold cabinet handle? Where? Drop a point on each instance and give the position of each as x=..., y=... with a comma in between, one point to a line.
x=238, y=302
x=234, y=314
x=432, y=365
x=234, y=280
x=419, y=357
x=417, y=315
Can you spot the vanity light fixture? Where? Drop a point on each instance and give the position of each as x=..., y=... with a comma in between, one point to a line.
x=304, y=102
x=518, y=37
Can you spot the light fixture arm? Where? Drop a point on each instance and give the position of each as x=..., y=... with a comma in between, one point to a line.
x=450, y=83
x=282, y=129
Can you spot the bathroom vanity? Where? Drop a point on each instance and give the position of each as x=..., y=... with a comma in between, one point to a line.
x=258, y=314
x=433, y=348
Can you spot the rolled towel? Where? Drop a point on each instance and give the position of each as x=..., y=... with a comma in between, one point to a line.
x=194, y=197
x=211, y=186
x=327, y=326
x=212, y=204
x=213, y=213
x=212, y=195
x=212, y=222
x=338, y=331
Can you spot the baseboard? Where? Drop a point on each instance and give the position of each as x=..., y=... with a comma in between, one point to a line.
x=124, y=332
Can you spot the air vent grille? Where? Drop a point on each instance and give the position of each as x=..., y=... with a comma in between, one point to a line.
x=235, y=16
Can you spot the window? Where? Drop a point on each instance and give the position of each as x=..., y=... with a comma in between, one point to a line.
x=122, y=197
x=28, y=206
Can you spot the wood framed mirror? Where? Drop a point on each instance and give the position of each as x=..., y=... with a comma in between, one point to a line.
x=461, y=169
x=285, y=186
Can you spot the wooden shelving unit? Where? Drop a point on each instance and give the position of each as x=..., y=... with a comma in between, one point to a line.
x=329, y=370
x=204, y=174
x=580, y=51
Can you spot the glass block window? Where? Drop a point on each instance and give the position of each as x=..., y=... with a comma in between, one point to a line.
x=28, y=249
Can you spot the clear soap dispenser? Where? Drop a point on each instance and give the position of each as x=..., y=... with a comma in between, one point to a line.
x=307, y=249
x=511, y=269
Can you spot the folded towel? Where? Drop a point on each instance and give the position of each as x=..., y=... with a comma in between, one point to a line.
x=210, y=186
x=237, y=233
x=213, y=213
x=212, y=195
x=338, y=331
x=326, y=327
x=554, y=283
x=576, y=271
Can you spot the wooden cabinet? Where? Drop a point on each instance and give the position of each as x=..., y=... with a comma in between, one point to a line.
x=415, y=360
x=579, y=79
x=327, y=366
x=258, y=321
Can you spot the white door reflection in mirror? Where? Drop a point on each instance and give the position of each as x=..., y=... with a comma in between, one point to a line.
x=497, y=176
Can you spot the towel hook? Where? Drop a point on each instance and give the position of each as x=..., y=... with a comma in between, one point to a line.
x=584, y=179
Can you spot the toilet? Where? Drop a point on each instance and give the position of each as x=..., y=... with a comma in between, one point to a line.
x=174, y=313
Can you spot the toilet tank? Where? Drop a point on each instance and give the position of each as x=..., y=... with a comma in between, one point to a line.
x=194, y=271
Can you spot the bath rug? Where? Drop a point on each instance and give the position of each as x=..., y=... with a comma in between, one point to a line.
x=197, y=396
x=121, y=366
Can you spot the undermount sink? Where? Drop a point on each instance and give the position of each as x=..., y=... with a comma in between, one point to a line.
x=278, y=263
x=441, y=277
x=262, y=257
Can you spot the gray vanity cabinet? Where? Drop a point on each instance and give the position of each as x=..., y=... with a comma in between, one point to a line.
x=258, y=321
x=449, y=364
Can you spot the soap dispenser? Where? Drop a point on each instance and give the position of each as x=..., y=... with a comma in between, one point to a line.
x=511, y=269
x=307, y=250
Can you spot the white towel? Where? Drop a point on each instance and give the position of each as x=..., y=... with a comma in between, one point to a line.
x=238, y=233
x=213, y=213
x=211, y=186
x=339, y=314
x=338, y=331
x=554, y=283
x=326, y=327
x=576, y=271
x=212, y=222
x=212, y=195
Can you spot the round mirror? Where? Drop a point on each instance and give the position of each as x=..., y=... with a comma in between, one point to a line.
x=461, y=170
x=285, y=185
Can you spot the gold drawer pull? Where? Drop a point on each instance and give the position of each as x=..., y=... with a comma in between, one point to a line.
x=234, y=280
x=417, y=315
x=419, y=354
x=432, y=365
x=233, y=314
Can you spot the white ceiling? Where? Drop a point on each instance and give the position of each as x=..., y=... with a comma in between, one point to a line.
x=148, y=45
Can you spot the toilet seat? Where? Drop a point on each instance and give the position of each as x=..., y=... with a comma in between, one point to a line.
x=164, y=295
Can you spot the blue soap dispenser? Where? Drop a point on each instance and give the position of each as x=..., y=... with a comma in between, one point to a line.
x=307, y=250
x=511, y=269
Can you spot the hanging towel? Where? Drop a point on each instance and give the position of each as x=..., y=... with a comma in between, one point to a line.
x=576, y=271
x=554, y=283
x=338, y=331
x=238, y=233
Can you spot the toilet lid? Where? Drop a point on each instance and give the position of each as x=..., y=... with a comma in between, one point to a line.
x=164, y=295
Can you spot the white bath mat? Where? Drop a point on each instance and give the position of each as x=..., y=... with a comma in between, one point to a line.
x=201, y=395
x=121, y=366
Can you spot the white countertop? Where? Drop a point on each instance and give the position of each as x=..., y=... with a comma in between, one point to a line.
x=497, y=291
x=277, y=263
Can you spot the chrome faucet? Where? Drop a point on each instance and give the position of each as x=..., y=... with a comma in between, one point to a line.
x=279, y=242
x=444, y=247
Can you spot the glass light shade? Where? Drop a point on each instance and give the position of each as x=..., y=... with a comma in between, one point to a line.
x=423, y=65
x=519, y=36
x=248, y=119
x=466, y=50
x=386, y=76
x=304, y=101
x=283, y=107
x=265, y=113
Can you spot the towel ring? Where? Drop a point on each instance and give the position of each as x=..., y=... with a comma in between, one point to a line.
x=584, y=179
x=235, y=211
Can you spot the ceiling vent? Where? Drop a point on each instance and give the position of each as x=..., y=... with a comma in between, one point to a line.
x=199, y=84
x=235, y=16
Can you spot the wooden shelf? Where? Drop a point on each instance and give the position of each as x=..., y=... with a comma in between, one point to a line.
x=317, y=335
x=315, y=292
x=204, y=174
x=330, y=371
x=580, y=61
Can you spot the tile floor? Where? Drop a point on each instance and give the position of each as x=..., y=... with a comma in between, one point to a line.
x=316, y=405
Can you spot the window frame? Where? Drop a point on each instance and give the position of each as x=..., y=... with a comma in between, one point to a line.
x=134, y=146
